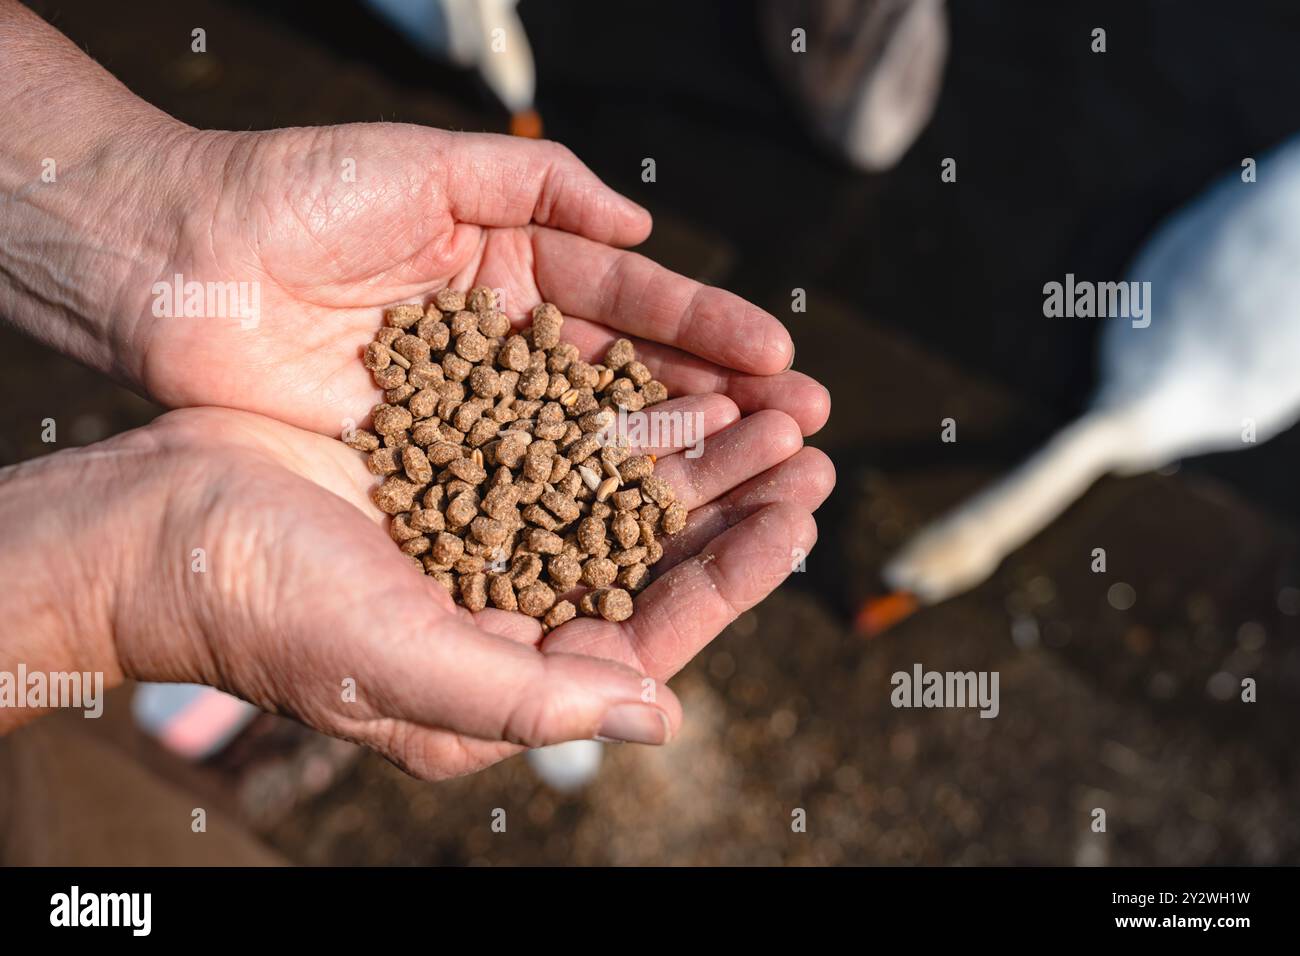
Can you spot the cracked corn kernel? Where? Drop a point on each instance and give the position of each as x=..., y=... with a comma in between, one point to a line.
x=502, y=592
x=674, y=518
x=456, y=368
x=377, y=357
x=434, y=331
x=362, y=440
x=426, y=520
x=598, y=572
x=591, y=532
x=619, y=354
x=403, y=316
x=447, y=548
x=400, y=529
x=625, y=529
x=547, y=322
x=501, y=501
x=559, y=613
x=501, y=437
x=634, y=577
x=471, y=346
x=494, y=323
x=416, y=465
x=415, y=546
x=462, y=509
x=542, y=541
x=394, y=495
x=659, y=491
x=449, y=300
x=473, y=591
x=383, y=461
x=424, y=374
x=392, y=376
x=513, y=354
x=412, y=348
x=614, y=604
x=525, y=569
x=462, y=322
x=481, y=299
x=536, y=599
x=489, y=531
x=565, y=571
x=627, y=500
x=628, y=556
x=391, y=419
x=637, y=468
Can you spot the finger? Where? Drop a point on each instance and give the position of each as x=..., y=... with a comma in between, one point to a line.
x=455, y=677
x=681, y=612
x=802, y=398
x=737, y=454
x=512, y=625
x=494, y=180
x=676, y=424
x=629, y=292
x=438, y=754
x=804, y=480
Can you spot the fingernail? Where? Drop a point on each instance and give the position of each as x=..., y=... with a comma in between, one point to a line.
x=634, y=724
x=791, y=365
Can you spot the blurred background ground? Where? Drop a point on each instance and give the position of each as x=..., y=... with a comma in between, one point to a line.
x=924, y=302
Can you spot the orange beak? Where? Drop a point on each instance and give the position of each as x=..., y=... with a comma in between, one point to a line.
x=879, y=614
x=526, y=123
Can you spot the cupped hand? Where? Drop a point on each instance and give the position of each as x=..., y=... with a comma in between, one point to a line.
x=258, y=564
x=334, y=223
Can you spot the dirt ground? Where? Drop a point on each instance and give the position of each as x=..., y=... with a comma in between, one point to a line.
x=923, y=304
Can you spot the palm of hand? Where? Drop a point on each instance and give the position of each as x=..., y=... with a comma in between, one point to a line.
x=333, y=225
x=303, y=592
x=427, y=209
x=326, y=250
x=358, y=646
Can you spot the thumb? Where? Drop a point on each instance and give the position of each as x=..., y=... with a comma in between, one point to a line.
x=494, y=180
x=456, y=677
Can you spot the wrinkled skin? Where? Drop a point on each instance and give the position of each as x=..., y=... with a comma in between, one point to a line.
x=303, y=589
x=300, y=588
x=427, y=209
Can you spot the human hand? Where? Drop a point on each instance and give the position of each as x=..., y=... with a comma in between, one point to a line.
x=78, y=268
x=107, y=199
x=301, y=588
x=334, y=223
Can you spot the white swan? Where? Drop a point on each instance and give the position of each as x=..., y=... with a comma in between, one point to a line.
x=1217, y=361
